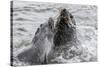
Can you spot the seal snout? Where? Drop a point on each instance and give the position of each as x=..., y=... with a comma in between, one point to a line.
x=64, y=10
x=64, y=14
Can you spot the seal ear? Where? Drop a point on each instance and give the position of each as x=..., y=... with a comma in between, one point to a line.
x=72, y=18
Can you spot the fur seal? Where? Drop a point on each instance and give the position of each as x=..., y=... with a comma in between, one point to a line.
x=42, y=45
x=65, y=28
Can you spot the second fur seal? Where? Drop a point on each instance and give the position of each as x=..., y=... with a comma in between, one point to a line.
x=65, y=28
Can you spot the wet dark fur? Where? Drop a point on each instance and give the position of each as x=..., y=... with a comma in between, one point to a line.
x=65, y=28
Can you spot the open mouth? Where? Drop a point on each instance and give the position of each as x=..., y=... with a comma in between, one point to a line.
x=67, y=18
x=64, y=15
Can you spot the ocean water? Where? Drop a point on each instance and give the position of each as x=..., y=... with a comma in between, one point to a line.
x=27, y=17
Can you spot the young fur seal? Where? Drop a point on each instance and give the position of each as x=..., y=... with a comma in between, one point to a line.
x=41, y=45
x=65, y=28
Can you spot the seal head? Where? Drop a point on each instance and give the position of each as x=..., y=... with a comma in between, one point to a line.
x=65, y=28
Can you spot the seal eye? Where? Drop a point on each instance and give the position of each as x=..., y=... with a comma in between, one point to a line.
x=71, y=16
